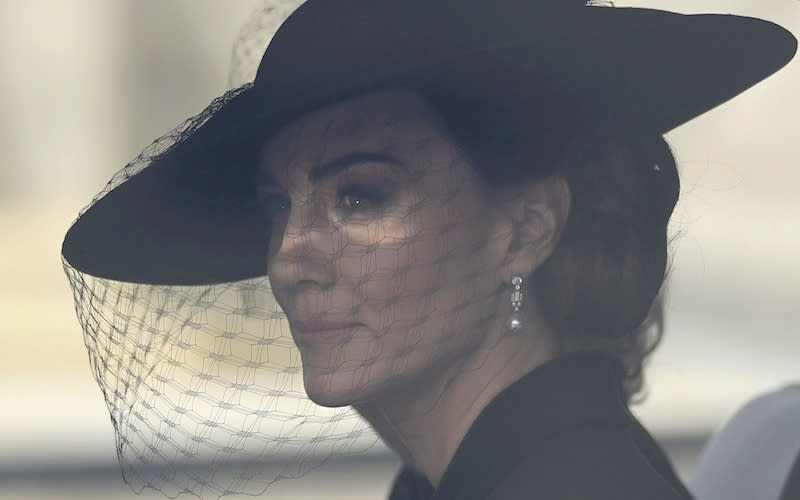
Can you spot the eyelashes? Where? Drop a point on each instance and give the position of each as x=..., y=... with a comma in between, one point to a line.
x=357, y=197
x=352, y=199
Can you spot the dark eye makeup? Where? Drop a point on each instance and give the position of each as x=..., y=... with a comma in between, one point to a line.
x=351, y=198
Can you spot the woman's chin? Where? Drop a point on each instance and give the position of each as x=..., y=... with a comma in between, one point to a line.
x=328, y=400
x=332, y=390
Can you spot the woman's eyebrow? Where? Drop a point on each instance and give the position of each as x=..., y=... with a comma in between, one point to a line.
x=336, y=165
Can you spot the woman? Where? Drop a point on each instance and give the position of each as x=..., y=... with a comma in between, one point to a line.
x=461, y=209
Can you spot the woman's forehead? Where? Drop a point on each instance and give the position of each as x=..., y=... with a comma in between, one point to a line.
x=393, y=121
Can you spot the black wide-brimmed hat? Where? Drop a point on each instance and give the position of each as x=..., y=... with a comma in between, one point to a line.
x=190, y=217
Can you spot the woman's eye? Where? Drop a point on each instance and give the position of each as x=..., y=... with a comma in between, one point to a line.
x=361, y=198
x=352, y=198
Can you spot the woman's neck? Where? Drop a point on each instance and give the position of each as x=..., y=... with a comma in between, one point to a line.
x=426, y=419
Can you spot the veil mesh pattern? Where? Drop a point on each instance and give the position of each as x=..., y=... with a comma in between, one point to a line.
x=204, y=384
x=254, y=37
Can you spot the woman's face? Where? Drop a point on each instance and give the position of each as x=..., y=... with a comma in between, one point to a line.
x=379, y=223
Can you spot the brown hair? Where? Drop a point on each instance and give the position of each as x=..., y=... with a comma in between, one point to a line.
x=600, y=288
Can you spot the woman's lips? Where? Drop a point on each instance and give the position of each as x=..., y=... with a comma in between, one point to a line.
x=321, y=332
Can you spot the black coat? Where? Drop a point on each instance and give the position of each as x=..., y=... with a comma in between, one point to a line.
x=562, y=432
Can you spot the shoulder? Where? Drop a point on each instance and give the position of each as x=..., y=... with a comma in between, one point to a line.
x=587, y=464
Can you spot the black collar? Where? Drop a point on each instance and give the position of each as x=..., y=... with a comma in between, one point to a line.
x=568, y=392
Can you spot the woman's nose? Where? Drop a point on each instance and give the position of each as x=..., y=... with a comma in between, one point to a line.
x=307, y=239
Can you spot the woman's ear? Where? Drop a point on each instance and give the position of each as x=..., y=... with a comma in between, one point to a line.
x=539, y=215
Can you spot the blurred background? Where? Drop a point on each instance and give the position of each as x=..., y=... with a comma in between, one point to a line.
x=86, y=84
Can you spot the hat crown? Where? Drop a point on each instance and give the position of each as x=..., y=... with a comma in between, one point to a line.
x=321, y=33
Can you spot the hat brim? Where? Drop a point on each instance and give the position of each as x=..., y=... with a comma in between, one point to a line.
x=190, y=217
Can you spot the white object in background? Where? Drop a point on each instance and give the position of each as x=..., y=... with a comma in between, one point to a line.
x=751, y=455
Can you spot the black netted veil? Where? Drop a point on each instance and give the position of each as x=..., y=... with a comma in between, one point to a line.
x=254, y=38
x=204, y=383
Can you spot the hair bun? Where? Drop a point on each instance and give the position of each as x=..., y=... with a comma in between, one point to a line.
x=602, y=280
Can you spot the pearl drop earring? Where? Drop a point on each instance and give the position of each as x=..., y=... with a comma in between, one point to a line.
x=516, y=302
